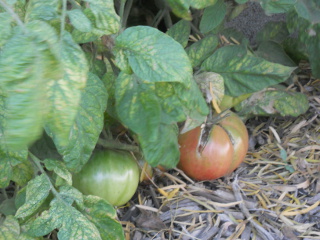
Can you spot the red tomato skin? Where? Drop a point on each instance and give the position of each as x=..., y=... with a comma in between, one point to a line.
x=200, y=165
x=225, y=150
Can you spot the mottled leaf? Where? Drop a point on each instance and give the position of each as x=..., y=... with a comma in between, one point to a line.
x=64, y=94
x=103, y=216
x=273, y=102
x=199, y=4
x=164, y=150
x=273, y=31
x=42, y=10
x=180, y=8
x=309, y=39
x=59, y=168
x=180, y=32
x=87, y=125
x=10, y=159
x=62, y=216
x=105, y=16
x=213, y=81
x=23, y=173
x=38, y=190
x=79, y=20
x=152, y=55
x=244, y=73
x=309, y=10
x=272, y=7
x=6, y=28
x=21, y=80
x=137, y=106
x=213, y=16
x=9, y=228
x=273, y=52
x=202, y=49
x=70, y=195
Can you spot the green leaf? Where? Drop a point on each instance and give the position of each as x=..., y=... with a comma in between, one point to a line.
x=309, y=10
x=38, y=190
x=21, y=79
x=79, y=20
x=180, y=8
x=96, y=66
x=62, y=216
x=273, y=102
x=241, y=1
x=273, y=31
x=137, y=106
x=59, y=168
x=201, y=50
x=272, y=7
x=273, y=52
x=10, y=159
x=244, y=73
x=309, y=39
x=64, y=95
x=213, y=16
x=10, y=229
x=103, y=215
x=87, y=126
x=42, y=10
x=23, y=173
x=105, y=16
x=70, y=195
x=152, y=55
x=6, y=28
x=7, y=207
x=180, y=32
x=199, y=4
x=164, y=150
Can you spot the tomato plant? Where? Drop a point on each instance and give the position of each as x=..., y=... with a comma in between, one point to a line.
x=223, y=150
x=112, y=175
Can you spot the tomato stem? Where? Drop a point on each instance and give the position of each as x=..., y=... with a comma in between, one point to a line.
x=111, y=144
x=214, y=102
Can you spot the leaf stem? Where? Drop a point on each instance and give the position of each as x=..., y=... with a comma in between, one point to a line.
x=39, y=166
x=111, y=144
x=75, y=4
x=126, y=13
x=121, y=11
x=14, y=15
x=63, y=17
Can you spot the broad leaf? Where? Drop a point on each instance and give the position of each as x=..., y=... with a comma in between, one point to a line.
x=64, y=94
x=38, y=190
x=180, y=32
x=164, y=150
x=274, y=102
x=62, y=216
x=21, y=79
x=244, y=73
x=10, y=159
x=137, y=106
x=180, y=8
x=59, y=168
x=309, y=39
x=42, y=10
x=87, y=125
x=105, y=16
x=199, y=4
x=309, y=10
x=103, y=215
x=9, y=228
x=201, y=50
x=79, y=20
x=6, y=28
x=213, y=16
x=152, y=55
x=273, y=52
x=273, y=31
x=272, y=7
x=70, y=195
x=23, y=173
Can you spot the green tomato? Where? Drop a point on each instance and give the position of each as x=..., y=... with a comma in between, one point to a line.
x=111, y=175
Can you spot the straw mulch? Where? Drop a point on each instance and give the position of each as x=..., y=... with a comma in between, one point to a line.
x=274, y=194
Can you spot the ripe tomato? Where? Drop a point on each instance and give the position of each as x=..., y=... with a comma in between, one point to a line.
x=225, y=149
x=112, y=175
